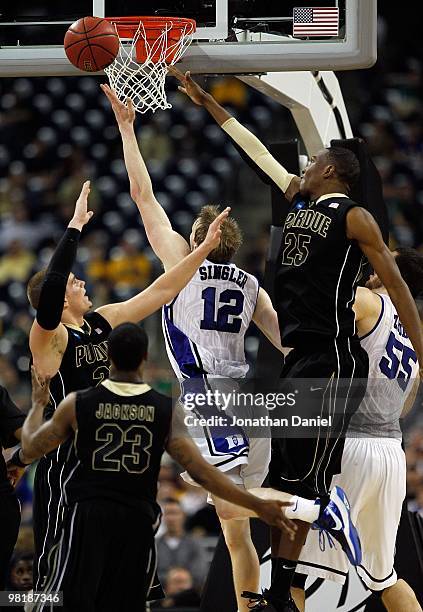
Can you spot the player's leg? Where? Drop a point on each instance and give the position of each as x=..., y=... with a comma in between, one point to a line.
x=42, y=502
x=400, y=597
x=76, y=559
x=125, y=584
x=244, y=559
x=10, y=518
x=305, y=466
x=298, y=591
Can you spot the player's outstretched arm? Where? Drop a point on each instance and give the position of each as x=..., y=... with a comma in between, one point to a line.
x=169, y=246
x=40, y=438
x=48, y=337
x=256, y=151
x=168, y=285
x=362, y=227
x=183, y=450
x=266, y=319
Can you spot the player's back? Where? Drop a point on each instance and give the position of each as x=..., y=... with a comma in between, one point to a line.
x=122, y=430
x=393, y=367
x=205, y=325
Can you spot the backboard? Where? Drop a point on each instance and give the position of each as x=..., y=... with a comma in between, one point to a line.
x=233, y=36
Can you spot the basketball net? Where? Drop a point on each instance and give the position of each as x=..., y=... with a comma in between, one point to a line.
x=144, y=82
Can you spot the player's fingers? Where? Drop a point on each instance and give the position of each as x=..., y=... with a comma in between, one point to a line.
x=130, y=104
x=182, y=89
x=175, y=72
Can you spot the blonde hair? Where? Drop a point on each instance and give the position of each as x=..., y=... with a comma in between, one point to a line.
x=230, y=240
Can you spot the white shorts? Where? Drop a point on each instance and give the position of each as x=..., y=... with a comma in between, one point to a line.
x=230, y=448
x=374, y=478
x=248, y=470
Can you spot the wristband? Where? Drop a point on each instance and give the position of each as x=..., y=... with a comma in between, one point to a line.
x=16, y=460
x=50, y=306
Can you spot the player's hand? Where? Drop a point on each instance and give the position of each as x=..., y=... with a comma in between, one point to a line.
x=124, y=113
x=82, y=215
x=188, y=86
x=14, y=473
x=272, y=513
x=212, y=239
x=40, y=389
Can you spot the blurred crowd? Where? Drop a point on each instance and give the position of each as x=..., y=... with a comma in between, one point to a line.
x=57, y=132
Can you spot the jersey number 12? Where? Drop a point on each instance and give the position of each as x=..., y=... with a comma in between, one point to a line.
x=233, y=303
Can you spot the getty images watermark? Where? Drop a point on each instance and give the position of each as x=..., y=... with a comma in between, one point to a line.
x=276, y=408
x=235, y=401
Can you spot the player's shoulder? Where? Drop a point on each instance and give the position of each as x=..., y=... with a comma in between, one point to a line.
x=88, y=393
x=97, y=322
x=160, y=398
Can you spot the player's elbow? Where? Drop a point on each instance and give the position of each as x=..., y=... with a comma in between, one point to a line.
x=27, y=448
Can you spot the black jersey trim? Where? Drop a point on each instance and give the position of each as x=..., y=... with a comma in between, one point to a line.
x=323, y=567
x=376, y=325
x=372, y=578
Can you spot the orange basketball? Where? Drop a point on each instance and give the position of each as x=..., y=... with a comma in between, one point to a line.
x=91, y=44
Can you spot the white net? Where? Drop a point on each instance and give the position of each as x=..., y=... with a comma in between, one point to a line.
x=144, y=82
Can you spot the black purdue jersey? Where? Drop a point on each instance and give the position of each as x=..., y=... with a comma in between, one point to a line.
x=85, y=362
x=122, y=429
x=318, y=271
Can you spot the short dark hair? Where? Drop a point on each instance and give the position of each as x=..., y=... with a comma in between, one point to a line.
x=346, y=164
x=410, y=264
x=127, y=346
x=33, y=289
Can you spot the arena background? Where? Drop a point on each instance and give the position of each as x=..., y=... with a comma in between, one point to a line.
x=57, y=132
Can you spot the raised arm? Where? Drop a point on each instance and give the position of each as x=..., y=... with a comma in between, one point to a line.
x=48, y=337
x=169, y=246
x=40, y=438
x=362, y=227
x=266, y=319
x=168, y=285
x=256, y=151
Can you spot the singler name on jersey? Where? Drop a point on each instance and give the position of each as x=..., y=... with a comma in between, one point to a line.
x=226, y=273
x=125, y=412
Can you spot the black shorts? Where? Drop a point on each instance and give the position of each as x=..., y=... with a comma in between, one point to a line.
x=103, y=559
x=305, y=465
x=48, y=511
x=10, y=518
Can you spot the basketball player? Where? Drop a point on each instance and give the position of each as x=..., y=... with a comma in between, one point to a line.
x=373, y=448
x=68, y=343
x=104, y=556
x=325, y=237
x=11, y=421
x=204, y=346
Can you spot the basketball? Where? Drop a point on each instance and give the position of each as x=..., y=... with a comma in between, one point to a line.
x=91, y=44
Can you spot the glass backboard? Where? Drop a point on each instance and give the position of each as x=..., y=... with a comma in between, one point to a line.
x=233, y=36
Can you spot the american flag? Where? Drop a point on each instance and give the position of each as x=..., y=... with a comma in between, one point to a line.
x=318, y=21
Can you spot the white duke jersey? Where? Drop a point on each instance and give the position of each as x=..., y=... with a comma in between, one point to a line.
x=393, y=367
x=205, y=325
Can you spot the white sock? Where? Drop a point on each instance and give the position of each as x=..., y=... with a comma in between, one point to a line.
x=303, y=509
